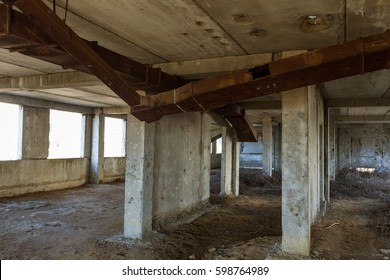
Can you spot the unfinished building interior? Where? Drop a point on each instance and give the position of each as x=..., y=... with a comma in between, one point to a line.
x=194, y=129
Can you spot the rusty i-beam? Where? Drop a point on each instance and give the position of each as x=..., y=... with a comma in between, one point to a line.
x=67, y=39
x=355, y=57
x=24, y=34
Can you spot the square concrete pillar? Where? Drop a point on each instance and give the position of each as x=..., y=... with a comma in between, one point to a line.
x=214, y=147
x=205, y=163
x=86, y=135
x=277, y=147
x=35, y=126
x=139, y=178
x=236, y=166
x=97, y=155
x=267, y=146
x=296, y=180
x=226, y=162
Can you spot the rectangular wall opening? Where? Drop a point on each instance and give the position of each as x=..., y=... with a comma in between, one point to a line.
x=9, y=131
x=65, y=136
x=114, y=137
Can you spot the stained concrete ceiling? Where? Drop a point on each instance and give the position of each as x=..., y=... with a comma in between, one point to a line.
x=198, y=38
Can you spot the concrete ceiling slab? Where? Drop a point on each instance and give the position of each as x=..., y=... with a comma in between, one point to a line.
x=173, y=30
x=279, y=25
x=366, y=17
x=198, y=38
x=104, y=34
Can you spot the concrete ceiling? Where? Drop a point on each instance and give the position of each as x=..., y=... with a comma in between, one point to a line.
x=199, y=38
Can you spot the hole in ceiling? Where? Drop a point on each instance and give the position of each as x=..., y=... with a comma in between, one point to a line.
x=184, y=34
x=255, y=32
x=209, y=30
x=241, y=18
x=315, y=23
x=200, y=23
x=216, y=37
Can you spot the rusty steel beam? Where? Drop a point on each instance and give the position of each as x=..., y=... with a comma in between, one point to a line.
x=338, y=61
x=66, y=38
x=19, y=33
x=236, y=116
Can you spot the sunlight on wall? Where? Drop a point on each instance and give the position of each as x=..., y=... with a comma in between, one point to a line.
x=114, y=137
x=9, y=131
x=65, y=134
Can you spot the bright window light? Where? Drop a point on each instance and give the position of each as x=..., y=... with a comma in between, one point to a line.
x=219, y=145
x=114, y=137
x=65, y=134
x=9, y=131
x=365, y=169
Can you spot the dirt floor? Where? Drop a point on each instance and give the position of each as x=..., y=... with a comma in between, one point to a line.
x=76, y=223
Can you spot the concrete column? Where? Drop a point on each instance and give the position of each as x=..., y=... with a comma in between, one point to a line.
x=214, y=147
x=87, y=136
x=332, y=148
x=226, y=162
x=97, y=156
x=205, y=163
x=326, y=157
x=139, y=178
x=296, y=205
x=236, y=166
x=267, y=146
x=34, y=126
x=278, y=147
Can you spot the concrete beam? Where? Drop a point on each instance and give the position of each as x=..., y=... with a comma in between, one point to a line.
x=115, y=110
x=262, y=105
x=139, y=178
x=33, y=102
x=357, y=102
x=361, y=119
x=202, y=68
x=48, y=81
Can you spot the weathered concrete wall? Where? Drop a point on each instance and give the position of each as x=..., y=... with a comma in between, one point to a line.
x=34, y=133
x=181, y=163
x=363, y=145
x=215, y=160
x=251, y=154
x=114, y=169
x=25, y=176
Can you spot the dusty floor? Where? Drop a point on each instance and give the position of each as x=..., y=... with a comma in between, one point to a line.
x=75, y=224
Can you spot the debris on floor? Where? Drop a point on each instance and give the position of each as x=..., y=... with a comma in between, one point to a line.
x=85, y=222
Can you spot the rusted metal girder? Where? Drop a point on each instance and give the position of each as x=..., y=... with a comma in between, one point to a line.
x=351, y=58
x=66, y=38
x=18, y=33
x=236, y=116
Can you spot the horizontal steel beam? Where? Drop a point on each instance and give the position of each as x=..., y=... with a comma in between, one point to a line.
x=19, y=34
x=351, y=58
